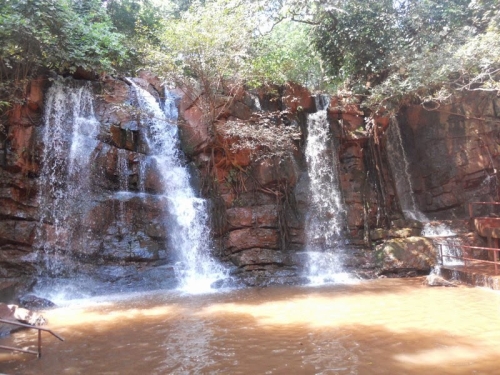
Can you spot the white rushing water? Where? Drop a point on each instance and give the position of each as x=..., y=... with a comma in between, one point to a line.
x=325, y=219
x=188, y=217
x=400, y=166
x=69, y=135
x=441, y=234
x=447, y=240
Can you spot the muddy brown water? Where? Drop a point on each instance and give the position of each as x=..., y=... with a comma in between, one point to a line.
x=387, y=326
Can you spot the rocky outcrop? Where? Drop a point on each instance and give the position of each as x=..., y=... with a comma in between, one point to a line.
x=103, y=227
x=454, y=153
x=247, y=158
x=435, y=280
x=415, y=254
x=20, y=315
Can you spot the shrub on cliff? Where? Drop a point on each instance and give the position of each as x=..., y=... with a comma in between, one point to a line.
x=60, y=35
x=394, y=52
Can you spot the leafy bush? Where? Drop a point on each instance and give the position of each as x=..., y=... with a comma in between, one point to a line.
x=286, y=54
x=59, y=35
x=395, y=52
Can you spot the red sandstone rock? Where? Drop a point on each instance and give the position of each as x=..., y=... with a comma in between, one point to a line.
x=22, y=146
x=152, y=79
x=242, y=239
x=383, y=122
x=35, y=93
x=239, y=217
x=259, y=216
x=273, y=170
x=13, y=208
x=296, y=97
x=355, y=216
x=239, y=110
x=258, y=257
x=115, y=91
x=18, y=231
x=116, y=136
x=194, y=130
x=152, y=182
x=352, y=122
x=352, y=109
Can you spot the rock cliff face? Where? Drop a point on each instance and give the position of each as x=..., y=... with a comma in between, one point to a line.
x=100, y=228
x=247, y=158
x=454, y=152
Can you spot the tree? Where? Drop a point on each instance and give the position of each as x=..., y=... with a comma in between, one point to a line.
x=286, y=54
x=395, y=51
x=355, y=43
x=205, y=48
x=54, y=34
x=443, y=47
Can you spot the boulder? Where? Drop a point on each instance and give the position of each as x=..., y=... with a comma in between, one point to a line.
x=412, y=253
x=435, y=280
x=19, y=314
x=32, y=302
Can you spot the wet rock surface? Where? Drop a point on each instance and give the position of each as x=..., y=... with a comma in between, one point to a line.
x=435, y=280
x=20, y=315
x=259, y=194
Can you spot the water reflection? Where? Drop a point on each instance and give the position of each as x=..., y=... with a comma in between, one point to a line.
x=378, y=327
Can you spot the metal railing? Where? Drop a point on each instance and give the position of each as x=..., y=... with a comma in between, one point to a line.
x=37, y=353
x=467, y=257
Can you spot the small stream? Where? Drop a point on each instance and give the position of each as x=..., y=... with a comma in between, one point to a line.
x=385, y=326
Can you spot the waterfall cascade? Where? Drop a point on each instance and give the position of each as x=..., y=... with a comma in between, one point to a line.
x=325, y=219
x=188, y=216
x=65, y=181
x=441, y=234
x=77, y=211
x=447, y=240
x=400, y=166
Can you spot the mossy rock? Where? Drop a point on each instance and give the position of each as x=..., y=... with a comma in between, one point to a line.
x=416, y=253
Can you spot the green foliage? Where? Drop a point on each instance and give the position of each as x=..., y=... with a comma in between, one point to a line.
x=391, y=51
x=204, y=49
x=209, y=42
x=59, y=35
x=445, y=47
x=396, y=52
x=136, y=19
x=355, y=42
x=286, y=54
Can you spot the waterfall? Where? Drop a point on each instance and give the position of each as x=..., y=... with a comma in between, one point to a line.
x=324, y=222
x=447, y=240
x=400, y=166
x=325, y=219
x=441, y=234
x=188, y=215
x=69, y=136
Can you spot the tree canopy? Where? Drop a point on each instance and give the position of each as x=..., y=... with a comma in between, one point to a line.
x=390, y=51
